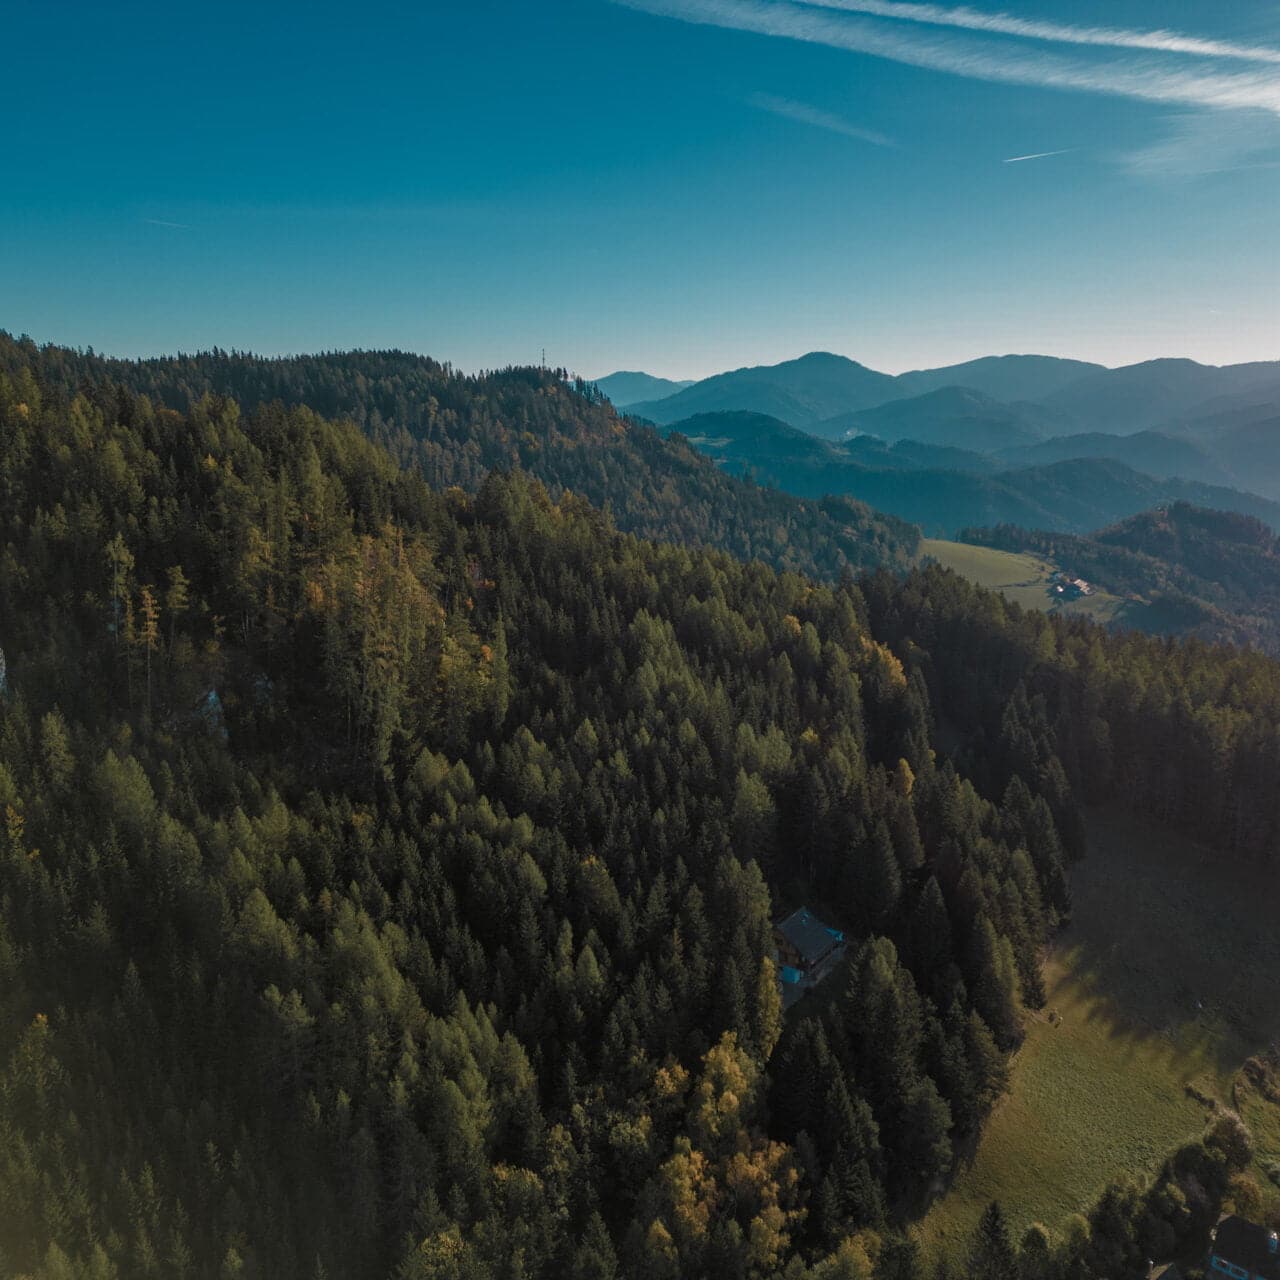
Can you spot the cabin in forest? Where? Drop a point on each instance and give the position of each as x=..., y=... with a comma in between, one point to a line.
x=1243, y=1250
x=807, y=951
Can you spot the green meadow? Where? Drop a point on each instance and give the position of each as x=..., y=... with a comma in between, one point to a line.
x=1022, y=578
x=1161, y=987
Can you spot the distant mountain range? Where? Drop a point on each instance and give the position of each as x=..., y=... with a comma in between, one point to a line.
x=943, y=489
x=1055, y=444
x=830, y=395
x=815, y=389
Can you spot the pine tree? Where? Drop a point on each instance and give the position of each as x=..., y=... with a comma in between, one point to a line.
x=991, y=1252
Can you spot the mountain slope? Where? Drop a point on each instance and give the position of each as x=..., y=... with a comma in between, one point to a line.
x=911, y=455
x=800, y=392
x=1091, y=493
x=1075, y=495
x=457, y=428
x=741, y=436
x=1146, y=395
x=954, y=417
x=1213, y=574
x=624, y=388
x=388, y=871
x=1153, y=452
x=1242, y=441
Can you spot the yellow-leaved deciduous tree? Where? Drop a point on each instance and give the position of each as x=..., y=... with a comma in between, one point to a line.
x=657, y=1257
x=764, y=1185
x=855, y=1259
x=726, y=1187
x=767, y=1009
x=725, y=1099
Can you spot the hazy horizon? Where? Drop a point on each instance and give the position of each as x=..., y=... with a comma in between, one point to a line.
x=892, y=367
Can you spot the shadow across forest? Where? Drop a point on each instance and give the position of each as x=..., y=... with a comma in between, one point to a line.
x=1171, y=945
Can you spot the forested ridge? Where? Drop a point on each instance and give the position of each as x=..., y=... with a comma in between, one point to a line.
x=388, y=870
x=456, y=428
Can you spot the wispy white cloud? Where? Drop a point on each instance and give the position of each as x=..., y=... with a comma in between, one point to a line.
x=1057, y=32
x=1203, y=142
x=1038, y=155
x=1151, y=79
x=161, y=222
x=802, y=113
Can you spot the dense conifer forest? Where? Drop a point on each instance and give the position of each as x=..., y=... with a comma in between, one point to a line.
x=391, y=844
x=455, y=428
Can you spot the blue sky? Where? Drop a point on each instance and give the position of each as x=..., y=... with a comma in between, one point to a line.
x=676, y=185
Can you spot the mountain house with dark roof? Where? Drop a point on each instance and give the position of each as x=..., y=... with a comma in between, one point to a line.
x=1244, y=1251
x=807, y=951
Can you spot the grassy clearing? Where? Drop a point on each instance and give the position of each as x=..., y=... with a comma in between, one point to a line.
x=1166, y=977
x=1021, y=577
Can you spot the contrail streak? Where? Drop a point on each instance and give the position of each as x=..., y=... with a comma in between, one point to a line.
x=1149, y=79
x=1057, y=32
x=1038, y=155
x=805, y=114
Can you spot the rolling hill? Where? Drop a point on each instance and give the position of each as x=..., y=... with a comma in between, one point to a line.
x=1154, y=452
x=1146, y=395
x=1010, y=378
x=1213, y=574
x=1075, y=495
x=625, y=388
x=801, y=392
x=1242, y=441
x=911, y=455
x=456, y=428
x=953, y=417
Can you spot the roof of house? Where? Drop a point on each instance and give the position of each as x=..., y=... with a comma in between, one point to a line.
x=811, y=938
x=1170, y=1272
x=1247, y=1245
